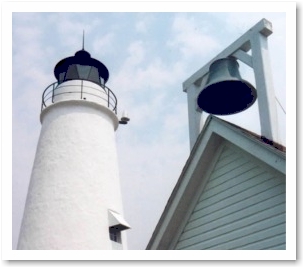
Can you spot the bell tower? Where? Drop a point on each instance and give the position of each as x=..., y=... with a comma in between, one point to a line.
x=217, y=88
x=74, y=200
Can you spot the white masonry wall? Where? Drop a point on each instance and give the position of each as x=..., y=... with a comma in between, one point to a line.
x=74, y=180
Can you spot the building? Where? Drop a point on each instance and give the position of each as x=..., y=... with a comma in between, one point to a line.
x=230, y=194
x=74, y=199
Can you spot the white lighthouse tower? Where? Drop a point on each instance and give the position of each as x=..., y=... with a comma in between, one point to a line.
x=74, y=200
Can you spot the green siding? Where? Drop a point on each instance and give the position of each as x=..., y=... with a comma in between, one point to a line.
x=242, y=207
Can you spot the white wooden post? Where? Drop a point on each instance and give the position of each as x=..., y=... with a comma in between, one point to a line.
x=264, y=85
x=194, y=116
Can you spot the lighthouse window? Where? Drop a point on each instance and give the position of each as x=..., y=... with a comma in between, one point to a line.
x=94, y=75
x=102, y=81
x=61, y=77
x=72, y=72
x=115, y=234
x=83, y=71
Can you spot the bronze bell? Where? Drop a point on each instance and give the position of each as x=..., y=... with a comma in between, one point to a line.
x=226, y=92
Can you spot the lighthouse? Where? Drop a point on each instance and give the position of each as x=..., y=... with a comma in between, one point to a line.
x=74, y=199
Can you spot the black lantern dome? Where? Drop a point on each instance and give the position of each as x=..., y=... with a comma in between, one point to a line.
x=83, y=67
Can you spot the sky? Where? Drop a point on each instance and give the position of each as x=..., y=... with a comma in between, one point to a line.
x=149, y=55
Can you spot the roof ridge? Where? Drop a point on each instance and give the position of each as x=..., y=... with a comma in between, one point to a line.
x=256, y=136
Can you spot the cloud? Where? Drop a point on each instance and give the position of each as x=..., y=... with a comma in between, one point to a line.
x=147, y=87
x=145, y=21
x=190, y=39
x=104, y=44
x=69, y=28
x=141, y=26
x=136, y=52
x=145, y=74
x=158, y=74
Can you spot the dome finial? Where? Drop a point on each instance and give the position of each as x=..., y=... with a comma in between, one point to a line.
x=83, y=40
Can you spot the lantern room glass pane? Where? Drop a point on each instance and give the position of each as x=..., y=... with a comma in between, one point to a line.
x=83, y=71
x=101, y=81
x=61, y=77
x=94, y=75
x=72, y=73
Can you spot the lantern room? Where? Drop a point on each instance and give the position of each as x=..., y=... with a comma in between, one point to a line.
x=80, y=77
x=81, y=66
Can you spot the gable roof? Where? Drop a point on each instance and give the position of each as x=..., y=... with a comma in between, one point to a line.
x=214, y=133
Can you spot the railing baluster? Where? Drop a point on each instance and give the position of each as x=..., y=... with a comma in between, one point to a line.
x=53, y=92
x=108, y=98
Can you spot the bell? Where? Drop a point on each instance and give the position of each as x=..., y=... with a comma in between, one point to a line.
x=226, y=92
